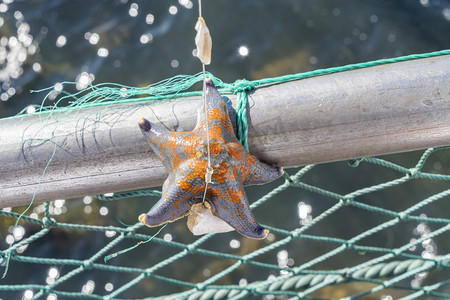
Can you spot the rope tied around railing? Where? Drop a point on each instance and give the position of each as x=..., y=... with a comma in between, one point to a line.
x=241, y=87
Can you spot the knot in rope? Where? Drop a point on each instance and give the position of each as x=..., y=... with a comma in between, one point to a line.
x=439, y=262
x=287, y=177
x=48, y=222
x=86, y=265
x=190, y=248
x=296, y=233
x=130, y=230
x=354, y=162
x=347, y=200
x=413, y=172
x=427, y=289
x=242, y=85
x=402, y=215
x=243, y=260
x=349, y=244
x=396, y=252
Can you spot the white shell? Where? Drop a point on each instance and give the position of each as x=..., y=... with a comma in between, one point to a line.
x=202, y=221
x=203, y=41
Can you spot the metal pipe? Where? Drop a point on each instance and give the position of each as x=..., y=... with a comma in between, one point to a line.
x=378, y=110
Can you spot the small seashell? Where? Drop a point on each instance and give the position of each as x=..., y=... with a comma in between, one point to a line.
x=203, y=41
x=202, y=221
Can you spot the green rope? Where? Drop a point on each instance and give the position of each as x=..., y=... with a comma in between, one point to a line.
x=241, y=87
x=349, y=67
x=385, y=268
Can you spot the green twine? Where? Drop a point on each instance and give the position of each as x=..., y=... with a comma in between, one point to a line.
x=108, y=257
x=8, y=256
x=242, y=87
x=349, y=67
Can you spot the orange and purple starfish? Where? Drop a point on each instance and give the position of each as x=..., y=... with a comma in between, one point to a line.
x=185, y=155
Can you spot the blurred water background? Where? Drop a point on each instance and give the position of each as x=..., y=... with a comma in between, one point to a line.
x=46, y=42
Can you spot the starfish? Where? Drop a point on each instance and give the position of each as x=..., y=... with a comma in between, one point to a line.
x=185, y=155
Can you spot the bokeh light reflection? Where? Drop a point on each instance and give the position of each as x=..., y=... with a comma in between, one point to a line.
x=427, y=249
x=186, y=3
x=173, y=10
x=102, y=52
x=146, y=38
x=53, y=274
x=61, y=41
x=282, y=258
x=84, y=80
x=14, y=52
x=133, y=10
x=22, y=249
x=243, y=282
x=304, y=213
x=168, y=237
x=149, y=19
x=109, y=287
x=103, y=211
x=88, y=288
x=243, y=51
x=235, y=244
x=52, y=297
x=28, y=295
x=110, y=233
x=18, y=232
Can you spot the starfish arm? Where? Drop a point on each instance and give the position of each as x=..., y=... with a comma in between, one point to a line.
x=169, y=146
x=230, y=204
x=217, y=112
x=213, y=98
x=157, y=137
x=174, y=204
x=257, y=172
x=251, y=170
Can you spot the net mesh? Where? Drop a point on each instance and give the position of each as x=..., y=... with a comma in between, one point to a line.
x=357, y=238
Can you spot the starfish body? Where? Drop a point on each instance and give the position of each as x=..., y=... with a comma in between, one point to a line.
x=185, y=156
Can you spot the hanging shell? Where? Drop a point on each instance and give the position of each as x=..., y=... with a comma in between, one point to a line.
x=203, y=41
x=201, y=221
